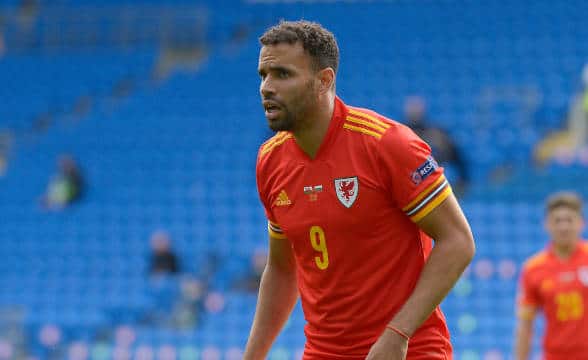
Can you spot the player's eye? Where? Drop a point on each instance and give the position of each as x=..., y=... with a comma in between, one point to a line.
x=283, y=74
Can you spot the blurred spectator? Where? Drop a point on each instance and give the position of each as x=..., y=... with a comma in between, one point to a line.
x=569, y=145
x=5, y=143
x=3, y=164
x=252, y=279
x=186, y=312
x=163, y=259
x=65, y=187
x=578, y=116
x=444, y=149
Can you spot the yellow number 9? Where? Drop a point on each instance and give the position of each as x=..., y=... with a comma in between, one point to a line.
x=570, y=306
x=319, y=243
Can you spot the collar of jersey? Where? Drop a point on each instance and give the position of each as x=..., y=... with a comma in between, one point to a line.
x=580, y=246
x=339, y=114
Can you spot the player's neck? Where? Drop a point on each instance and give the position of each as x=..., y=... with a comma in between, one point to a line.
x=564, y=252
x=311, y=136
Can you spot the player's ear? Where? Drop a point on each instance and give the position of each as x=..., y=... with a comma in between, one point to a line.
x=327, y=79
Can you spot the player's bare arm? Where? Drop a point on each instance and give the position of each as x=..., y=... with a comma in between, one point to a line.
x=277, y=296
x=524, y=334
x=453, y=251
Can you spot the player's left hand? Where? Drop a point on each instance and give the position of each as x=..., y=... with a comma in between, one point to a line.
x=390, y=346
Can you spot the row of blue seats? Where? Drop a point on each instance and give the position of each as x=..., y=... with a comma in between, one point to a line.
x=77, y=74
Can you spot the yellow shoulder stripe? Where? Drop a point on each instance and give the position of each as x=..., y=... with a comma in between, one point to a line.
x=370, y=117
x=362, y=130
x=274, y=138
x=275, y=143
x=366, y=123
x=536, y=260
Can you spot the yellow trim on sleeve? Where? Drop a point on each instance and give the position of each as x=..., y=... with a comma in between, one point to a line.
x=273, y=223
x=424, y=193
x=274, y=234
x=526, y=312
x=362, y=130
x=432, y=205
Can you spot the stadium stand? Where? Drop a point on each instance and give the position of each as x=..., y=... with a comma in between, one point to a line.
x=180, y=155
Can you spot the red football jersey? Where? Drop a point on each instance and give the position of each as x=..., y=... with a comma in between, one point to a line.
x=350, y=216
x=560, y=289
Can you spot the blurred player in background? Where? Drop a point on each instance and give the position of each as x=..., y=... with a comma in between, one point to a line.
x=353, y=200
x=555, y=281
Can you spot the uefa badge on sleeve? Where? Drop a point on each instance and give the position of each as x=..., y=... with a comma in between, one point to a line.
x=423, y=171
x=347, y=189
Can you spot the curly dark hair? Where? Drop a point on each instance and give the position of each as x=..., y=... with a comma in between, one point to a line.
x=317, y=41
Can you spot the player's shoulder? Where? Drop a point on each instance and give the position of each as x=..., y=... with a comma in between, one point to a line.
x=272, y=155
x=272, y=144
x=584, y=248
x=371, y=124
x=388, y=135
x=536, y=261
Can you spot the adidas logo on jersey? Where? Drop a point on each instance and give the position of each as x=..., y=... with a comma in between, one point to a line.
x=283, y=199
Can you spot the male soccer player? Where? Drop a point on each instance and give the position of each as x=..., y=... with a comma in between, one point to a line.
x=353, y=200
x=556, y=281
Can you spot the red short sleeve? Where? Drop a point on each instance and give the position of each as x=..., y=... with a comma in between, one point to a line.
x=411, y=173
x=528, y=292
x=273, y=227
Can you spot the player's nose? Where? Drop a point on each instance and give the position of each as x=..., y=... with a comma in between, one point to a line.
x=266, y=89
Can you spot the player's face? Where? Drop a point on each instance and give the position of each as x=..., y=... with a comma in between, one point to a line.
x=564, y=225
x=288, y=85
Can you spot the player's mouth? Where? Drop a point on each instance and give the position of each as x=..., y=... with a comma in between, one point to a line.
x=272, y=109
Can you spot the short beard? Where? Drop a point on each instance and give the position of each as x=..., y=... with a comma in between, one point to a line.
x=293, y=120
x=284, y=124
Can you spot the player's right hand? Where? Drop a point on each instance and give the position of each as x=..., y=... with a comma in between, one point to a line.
x=390, y=346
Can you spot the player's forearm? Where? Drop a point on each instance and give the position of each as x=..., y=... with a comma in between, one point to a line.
x=446, y=263
x=277, y=296
x=523, y=340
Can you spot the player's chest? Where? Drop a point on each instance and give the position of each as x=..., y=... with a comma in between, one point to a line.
x=565, y=290
x=335, y=194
